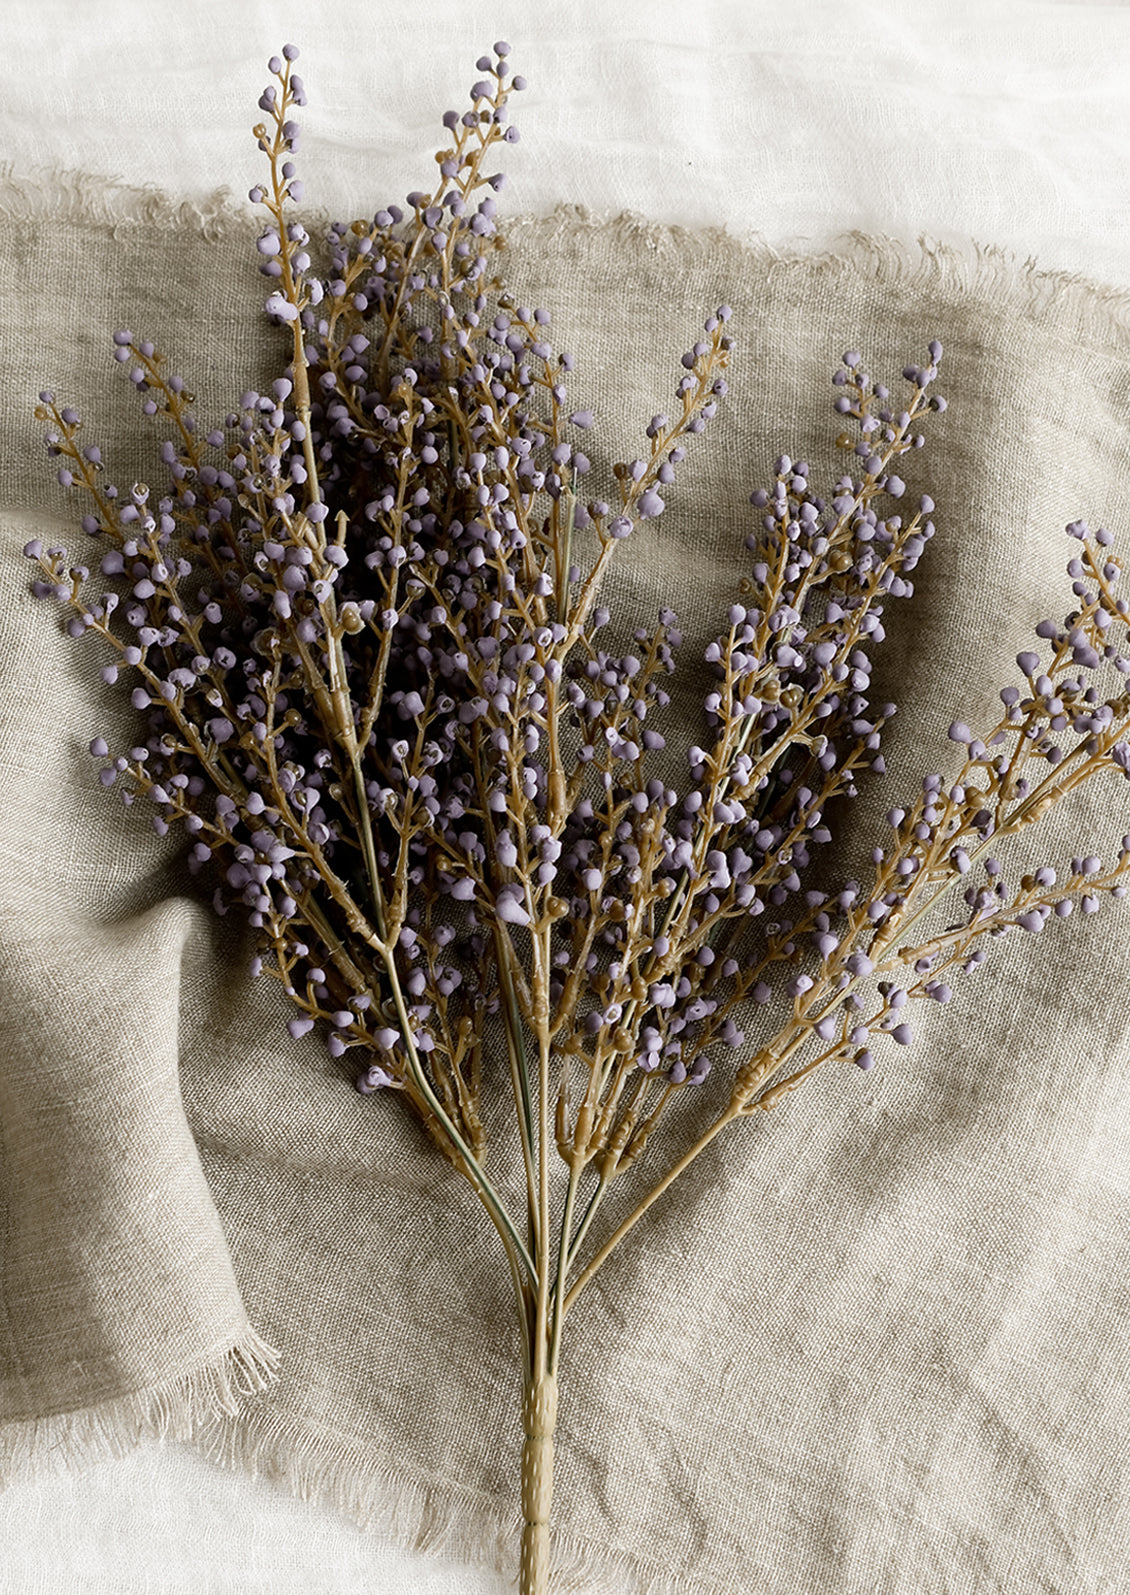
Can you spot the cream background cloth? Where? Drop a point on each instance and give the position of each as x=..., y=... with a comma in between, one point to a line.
x=1008, y=172
x=1000, y=120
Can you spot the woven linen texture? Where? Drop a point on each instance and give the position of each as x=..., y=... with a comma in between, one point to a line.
x=876, y=1341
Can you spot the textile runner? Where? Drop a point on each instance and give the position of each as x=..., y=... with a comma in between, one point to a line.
x=878, y=1340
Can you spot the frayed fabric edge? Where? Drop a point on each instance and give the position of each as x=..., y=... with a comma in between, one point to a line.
x=417, y=1514
x=175, y=1409
x=91, y=200
x=990, y=273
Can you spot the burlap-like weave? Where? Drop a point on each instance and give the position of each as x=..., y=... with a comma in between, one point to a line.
x=878, y=1342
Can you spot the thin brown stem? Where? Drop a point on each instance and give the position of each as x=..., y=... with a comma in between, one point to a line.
x=633, y=1218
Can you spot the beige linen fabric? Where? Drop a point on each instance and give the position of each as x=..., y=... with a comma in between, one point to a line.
x=879, y=1342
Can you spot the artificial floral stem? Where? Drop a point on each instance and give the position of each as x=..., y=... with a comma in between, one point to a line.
x=1052, y=783
x=539, y=1392
x=302, y=409
x=542, y=1253
x=301, y=378
x=519, y=1075
x=637, y=1213
x=367, y=844
x=583, y=1228
x=563, y=549
x=471, y=1166
x=558, y=1287
x=290, y=290
x=521, y=1303
x=539, y=1421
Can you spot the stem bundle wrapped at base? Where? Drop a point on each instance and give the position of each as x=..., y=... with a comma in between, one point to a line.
x=539, y=1422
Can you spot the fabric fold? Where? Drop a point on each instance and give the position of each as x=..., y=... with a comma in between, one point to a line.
x=121, y=1312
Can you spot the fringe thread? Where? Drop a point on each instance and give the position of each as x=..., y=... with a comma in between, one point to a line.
x=1098, y=312
x=419, y=1513
x=176, y=1409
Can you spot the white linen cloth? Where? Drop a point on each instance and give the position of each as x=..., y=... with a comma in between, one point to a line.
x=997, y=120
x=1000, y=122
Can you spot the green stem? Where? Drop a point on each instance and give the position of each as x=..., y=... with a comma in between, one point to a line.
x=483, y=1187
x=587, y=1217
x=559, y=1284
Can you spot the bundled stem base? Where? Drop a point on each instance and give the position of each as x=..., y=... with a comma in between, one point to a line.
x=539, y=1421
